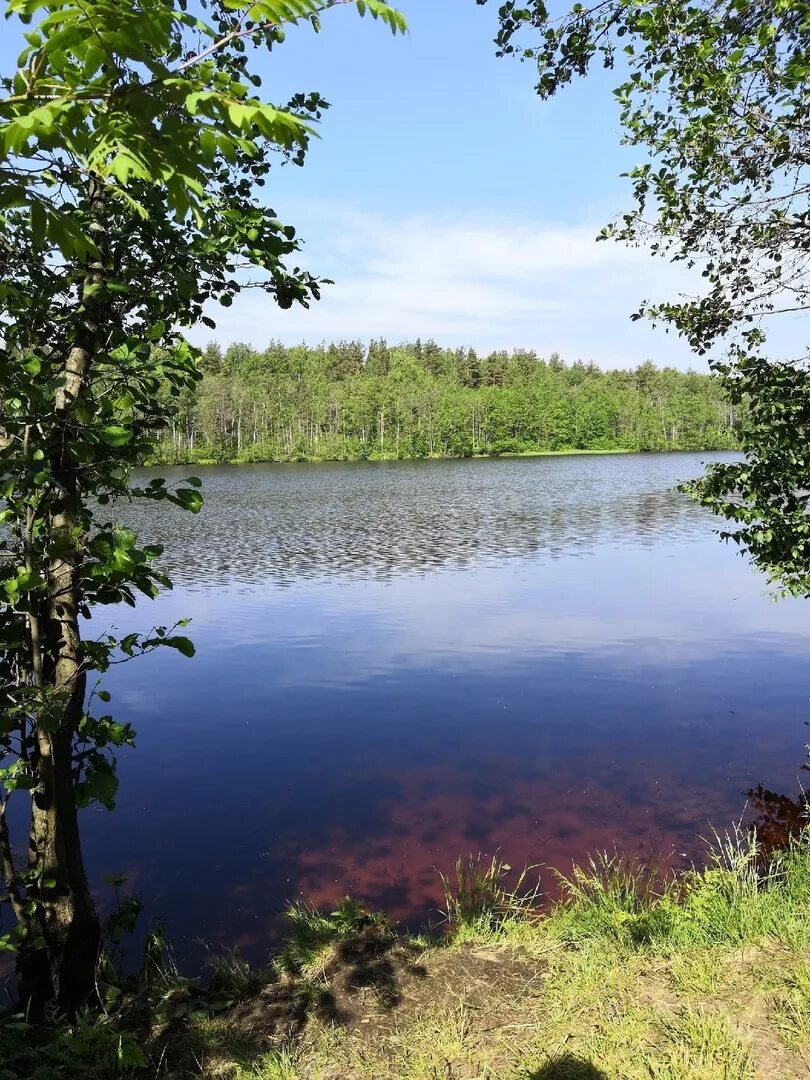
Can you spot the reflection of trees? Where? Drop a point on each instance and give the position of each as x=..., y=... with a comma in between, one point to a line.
x=779, y=818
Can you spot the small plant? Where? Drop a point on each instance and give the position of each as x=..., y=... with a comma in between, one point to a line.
x=90, y=1047
x=274, y=1065
x=232, y=974
x=622, y=897
x=738, y=895
x=792, y=1007
x=738, y=853
x=436, y=1046
x=479, y=897
x=701, y=1046
x=350, y=918
x=615, y=881
x=111, y=964
x=696, y=972
x=314, y=931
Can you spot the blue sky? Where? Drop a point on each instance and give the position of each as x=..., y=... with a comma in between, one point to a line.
x=448, y=201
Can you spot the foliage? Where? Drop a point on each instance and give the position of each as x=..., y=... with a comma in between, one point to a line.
x=575, y=981
x=312, y=933
x=766, y=495
x=343, y=401
x=736, y=898
x=479, y=894
x=133, y=144
x=231, y=973
x=612, y=894
x=86, y=1048
x=717, y=95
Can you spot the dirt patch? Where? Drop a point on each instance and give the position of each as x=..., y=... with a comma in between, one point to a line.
x=276, y=1014
x=387, y=989
x=382, y=1008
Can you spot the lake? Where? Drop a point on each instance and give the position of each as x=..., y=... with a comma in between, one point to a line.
x=399, y=662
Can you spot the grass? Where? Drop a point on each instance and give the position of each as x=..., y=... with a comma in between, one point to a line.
x=791, y=1010
x=313, y=935
x=231, y=973
x=191, y=459
x=700, y=1044
x=636, y=974
x=479, y=901
x=561, y=453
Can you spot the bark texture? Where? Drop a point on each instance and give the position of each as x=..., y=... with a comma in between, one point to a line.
x=60, y=967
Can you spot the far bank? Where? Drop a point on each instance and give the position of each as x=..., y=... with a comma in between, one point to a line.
x=349, y=402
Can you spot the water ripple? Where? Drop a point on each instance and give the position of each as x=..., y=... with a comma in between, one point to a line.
x=379, y=520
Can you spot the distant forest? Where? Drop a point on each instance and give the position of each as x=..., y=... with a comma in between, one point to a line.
x=346, y=402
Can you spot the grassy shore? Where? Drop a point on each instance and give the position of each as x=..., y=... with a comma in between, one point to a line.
x=701, y=976
x=203, y=459
x=567, y=453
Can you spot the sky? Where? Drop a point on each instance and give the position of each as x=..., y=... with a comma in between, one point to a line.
x=448, y=202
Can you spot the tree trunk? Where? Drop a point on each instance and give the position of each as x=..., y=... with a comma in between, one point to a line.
x=62, y=969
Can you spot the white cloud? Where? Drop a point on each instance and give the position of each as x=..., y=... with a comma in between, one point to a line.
x=490, y=283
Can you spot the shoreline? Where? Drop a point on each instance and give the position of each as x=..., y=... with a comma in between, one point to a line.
x=697, y=974
x=507, y=455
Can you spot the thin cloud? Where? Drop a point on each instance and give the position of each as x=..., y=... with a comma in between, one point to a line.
x=490, y=283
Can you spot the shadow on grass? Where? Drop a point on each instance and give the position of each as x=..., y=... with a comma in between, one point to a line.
x=371, y=964
x=376, y=963
x=567, y=1067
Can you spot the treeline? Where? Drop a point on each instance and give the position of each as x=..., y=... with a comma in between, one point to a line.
x=347, y=402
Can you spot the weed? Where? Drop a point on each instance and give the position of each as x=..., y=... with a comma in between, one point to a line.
x=88, y=1047
x=478, y=899
x=696, y=972
x=616, y=897
x=232, y=974
x=313, y=932
x=700, y=1047
x=274, y=1065
x=434, y=1047
x=791, y=1011
x=620, y=979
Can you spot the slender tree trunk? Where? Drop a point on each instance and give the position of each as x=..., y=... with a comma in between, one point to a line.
x=63, y=968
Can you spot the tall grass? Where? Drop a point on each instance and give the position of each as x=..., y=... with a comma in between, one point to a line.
x=479, y=900
x=615, y=895
x=740, y=894
x=312, y=933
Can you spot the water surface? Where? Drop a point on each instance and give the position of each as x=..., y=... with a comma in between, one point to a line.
x=399, y=662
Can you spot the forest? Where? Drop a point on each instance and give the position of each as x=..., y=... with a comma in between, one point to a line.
x=345, y=402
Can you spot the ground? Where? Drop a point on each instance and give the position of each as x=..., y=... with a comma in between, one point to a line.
x=524, y=1012
x=698, y=975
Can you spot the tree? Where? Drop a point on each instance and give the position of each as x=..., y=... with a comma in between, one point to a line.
x=378, y=360
x=717, y=93
x=210, y=360
x=133, y=142
x=304, y=403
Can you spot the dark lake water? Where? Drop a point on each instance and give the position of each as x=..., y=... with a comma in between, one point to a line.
x=401, y=662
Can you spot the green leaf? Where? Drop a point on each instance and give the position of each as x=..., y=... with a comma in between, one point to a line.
x=124, y=538
x=115, y=435
x=189, y=499
x=183, y=645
